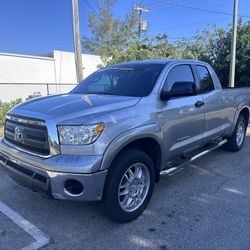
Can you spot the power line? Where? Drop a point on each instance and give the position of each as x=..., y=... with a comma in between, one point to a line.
x=154, y=7
x=219, y=2
x=178, y=37
x=181, y=37
x=190, y=24
x=197, y=9
x=162, y=6
x=89, y=5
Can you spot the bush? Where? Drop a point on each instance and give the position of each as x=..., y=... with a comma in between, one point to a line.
x=1, y=130
x=5, y=107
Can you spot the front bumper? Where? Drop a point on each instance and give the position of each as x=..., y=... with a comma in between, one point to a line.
x=49, y=175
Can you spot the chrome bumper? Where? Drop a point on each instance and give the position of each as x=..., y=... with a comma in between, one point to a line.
x=49, y=175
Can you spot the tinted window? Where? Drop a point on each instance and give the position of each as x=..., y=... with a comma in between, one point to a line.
x=181, y=73
x=129, y=80
x=206, y=83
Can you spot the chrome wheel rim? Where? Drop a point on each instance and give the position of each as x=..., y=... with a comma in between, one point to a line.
x=240, y=133
x=134, y=187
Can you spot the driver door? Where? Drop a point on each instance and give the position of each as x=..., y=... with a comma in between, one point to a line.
x=183, y=116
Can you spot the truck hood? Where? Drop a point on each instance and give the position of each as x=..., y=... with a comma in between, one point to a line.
x=74, y=108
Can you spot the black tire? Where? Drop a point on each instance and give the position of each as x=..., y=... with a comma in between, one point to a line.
x=232, y=144
x=111, y=199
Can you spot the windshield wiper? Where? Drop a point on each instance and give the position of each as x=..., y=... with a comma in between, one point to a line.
x=125, y=69
x=98, y=93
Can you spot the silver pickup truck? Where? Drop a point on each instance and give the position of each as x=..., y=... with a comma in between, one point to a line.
x=112, y=137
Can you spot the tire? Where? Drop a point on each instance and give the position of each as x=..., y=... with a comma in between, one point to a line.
x=118, y=192
x=236, y=140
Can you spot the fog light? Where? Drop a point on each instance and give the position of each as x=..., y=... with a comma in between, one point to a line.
x=73, y=187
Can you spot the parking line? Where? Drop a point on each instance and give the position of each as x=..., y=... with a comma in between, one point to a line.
x=41, y=238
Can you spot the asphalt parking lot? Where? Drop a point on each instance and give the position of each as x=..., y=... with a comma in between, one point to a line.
x=205, y=206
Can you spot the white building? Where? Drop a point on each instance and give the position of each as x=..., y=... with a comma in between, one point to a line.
x=56, y=67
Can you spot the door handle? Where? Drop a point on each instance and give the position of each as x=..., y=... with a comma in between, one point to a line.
x=199, y=104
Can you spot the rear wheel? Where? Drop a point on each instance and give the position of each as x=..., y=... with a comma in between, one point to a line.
x=129, y=185
x=236, y=141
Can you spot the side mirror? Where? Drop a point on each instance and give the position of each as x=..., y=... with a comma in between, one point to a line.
x=179, y=89
x=165, y=95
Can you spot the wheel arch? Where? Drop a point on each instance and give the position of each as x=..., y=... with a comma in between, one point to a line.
x=245, y=111
x=148, y=143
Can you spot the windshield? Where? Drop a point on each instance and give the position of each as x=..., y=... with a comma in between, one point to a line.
x=130, y=80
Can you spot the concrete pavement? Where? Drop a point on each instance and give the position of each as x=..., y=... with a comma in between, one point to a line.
x=205, y=206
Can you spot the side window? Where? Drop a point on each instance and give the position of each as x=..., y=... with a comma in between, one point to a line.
x=206, y=83
x=181, y=73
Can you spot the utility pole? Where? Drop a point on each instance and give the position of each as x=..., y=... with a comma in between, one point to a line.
x=233, y=45
x=140, y=10
x=77, y=42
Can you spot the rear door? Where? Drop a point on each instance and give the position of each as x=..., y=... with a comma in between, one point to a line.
x=216, y=122
x=182, y=117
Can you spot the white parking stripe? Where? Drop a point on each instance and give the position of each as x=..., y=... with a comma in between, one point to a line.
x=38, y=235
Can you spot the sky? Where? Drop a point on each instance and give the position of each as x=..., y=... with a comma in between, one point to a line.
x=36, y=27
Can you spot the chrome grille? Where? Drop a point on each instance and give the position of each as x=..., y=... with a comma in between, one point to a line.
x=28, y=134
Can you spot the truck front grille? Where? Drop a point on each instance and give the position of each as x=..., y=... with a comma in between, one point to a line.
x=28, y=134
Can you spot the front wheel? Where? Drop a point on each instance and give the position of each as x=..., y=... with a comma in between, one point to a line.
x=236, y=141
x=129, y=185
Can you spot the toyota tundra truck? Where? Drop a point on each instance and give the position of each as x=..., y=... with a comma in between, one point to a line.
x=113, y=136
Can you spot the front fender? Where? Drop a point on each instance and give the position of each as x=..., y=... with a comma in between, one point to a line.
x=153, y=131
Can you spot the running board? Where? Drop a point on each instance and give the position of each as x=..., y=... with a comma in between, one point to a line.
x=182, y=165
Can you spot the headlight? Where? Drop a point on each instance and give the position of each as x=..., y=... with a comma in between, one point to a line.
x=79, y=134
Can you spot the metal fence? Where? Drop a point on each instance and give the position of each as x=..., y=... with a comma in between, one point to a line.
x=47, y=85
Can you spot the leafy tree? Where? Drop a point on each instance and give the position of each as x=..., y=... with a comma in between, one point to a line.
x=109, y=34
x=213, y=45
x=243, y=54
x=149, y=48
x=5, y=107
x=116, y=41
x=162, y=49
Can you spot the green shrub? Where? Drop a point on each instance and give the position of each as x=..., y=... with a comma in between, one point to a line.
x=5, y=107
x=1, y=130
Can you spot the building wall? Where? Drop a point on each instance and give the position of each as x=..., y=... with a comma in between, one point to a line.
x=56, y=67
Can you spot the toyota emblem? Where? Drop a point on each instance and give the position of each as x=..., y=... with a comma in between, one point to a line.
x=18, y=135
